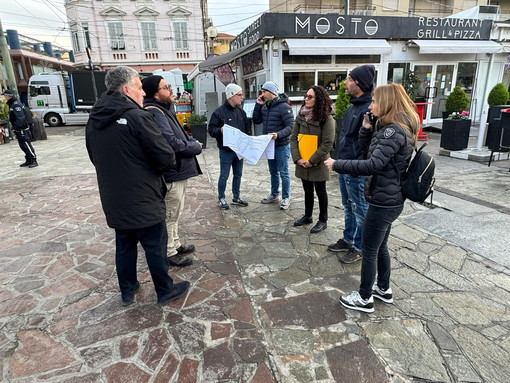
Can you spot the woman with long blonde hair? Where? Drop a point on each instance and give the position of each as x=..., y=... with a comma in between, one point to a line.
x=386, y=140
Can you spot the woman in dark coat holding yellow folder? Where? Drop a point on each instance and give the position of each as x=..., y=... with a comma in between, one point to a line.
x=310, y=143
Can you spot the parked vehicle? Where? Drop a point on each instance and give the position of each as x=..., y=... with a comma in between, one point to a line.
x=61, y=98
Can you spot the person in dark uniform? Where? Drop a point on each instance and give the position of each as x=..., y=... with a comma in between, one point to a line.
x=21, y=129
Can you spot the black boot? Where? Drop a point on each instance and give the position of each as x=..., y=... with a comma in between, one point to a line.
x=26, y=163
x=33, y=164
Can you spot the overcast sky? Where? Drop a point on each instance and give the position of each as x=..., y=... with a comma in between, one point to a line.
x=45, y=20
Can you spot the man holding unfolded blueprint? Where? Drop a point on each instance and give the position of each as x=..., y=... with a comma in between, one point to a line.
x=230, y=113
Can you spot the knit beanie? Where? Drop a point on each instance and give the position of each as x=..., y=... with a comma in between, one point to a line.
x=271, y=87
x=150, y=85
x=232, y=89
x=364, y=77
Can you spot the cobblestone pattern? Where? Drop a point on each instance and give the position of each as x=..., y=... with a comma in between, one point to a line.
x=263, y=304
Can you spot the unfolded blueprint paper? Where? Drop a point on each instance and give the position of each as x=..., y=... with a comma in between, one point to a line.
x=248, y=147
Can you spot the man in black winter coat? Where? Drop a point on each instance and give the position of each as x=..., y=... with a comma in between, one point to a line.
x=21, y=129
x=232, y=114
x=130, y=155
x=159, y=99
x=358, y=85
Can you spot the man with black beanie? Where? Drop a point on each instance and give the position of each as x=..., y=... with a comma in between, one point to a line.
x=159, y=99
x=358, y=85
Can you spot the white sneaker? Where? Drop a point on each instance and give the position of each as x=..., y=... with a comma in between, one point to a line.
x=383, y=295
x=271, y=198
x=284, y=205
x=354, y=301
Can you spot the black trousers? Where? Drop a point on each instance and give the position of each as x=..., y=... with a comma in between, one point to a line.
x=154, y=240
x=374, y=247
x=322, y=195
x=24, y=142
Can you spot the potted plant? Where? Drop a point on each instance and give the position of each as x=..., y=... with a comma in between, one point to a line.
x=497, y=100
x=341, y=104
x=197, y=125
x=455, y=131
x=456, y=127
x=412, y=85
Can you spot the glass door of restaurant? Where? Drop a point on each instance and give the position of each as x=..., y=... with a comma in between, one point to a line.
x=436, y=81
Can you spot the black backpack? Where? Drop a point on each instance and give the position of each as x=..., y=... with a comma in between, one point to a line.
x=419, y=180
x=29, y=119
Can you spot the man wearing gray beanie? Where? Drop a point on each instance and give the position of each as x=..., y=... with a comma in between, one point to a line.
x=274, y=112
x=358, y=85
x=232, y=114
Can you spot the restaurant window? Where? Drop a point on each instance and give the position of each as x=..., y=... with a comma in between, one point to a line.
x=296, y=83
x=331, y=80
x=466, y=75
x=397, y=72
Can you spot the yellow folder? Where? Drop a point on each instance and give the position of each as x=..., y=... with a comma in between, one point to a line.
x=307, y=144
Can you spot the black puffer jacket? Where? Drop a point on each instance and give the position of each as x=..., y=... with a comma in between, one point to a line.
x=227, y=114
x=347, y=145
x=130, y=155
x=277, y=116
x=386, y=149
x=186, y=148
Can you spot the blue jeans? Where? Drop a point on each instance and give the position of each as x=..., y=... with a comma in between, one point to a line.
x=376, y=256
x=355, y=207
x=229, y=159
x=279, y=168
x=154, y=242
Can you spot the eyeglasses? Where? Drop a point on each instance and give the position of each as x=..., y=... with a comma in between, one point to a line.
x=239, y=95
x=167, y=87
x=309, y=97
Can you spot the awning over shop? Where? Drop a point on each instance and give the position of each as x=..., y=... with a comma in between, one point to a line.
x=457, y=46
x=223, y=59
x=337, y=46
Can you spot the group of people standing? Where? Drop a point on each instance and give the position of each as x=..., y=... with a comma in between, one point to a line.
x=143, y=159
x=373, y=151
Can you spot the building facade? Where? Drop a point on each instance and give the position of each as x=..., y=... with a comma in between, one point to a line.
x=143, y=34
x=299, y=50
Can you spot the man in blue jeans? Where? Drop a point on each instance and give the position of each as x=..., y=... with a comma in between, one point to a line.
x=232, y=114
x=358, y=85
x=274, y=112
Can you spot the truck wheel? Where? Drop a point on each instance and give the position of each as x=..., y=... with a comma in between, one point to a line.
x=53, y=119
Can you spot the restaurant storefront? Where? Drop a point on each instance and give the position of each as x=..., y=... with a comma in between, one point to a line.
x=300, y=50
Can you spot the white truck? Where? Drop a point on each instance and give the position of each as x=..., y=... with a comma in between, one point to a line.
x=61, y=98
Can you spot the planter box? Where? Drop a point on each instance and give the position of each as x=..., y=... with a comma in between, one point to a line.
x=494, y=114
x=455, y=134
x=200, y=133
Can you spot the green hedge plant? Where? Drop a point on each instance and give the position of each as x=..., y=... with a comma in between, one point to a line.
x=197, y=119
x=342, y=101
x=457, y=101
x=498, y=95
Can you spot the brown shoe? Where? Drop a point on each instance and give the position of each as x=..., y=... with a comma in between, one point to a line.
x=339, y=245
x=352, y=256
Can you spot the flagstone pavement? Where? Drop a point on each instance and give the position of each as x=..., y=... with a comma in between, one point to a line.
x=263, y=306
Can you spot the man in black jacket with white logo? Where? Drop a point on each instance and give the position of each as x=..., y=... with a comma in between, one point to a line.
x=130, y=155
